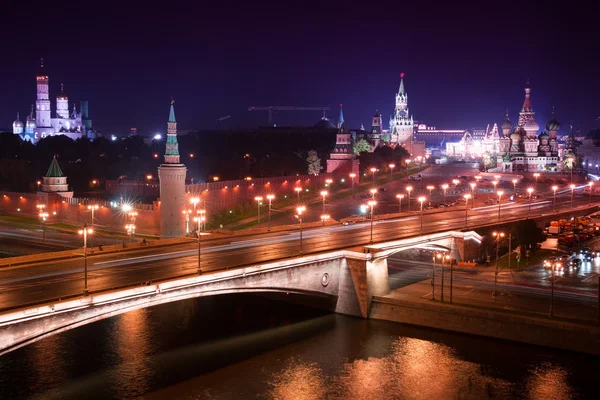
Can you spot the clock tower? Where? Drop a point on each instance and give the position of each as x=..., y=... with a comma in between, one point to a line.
x=401, y=124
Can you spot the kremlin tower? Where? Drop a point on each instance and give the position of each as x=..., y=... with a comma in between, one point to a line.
x=171, y=175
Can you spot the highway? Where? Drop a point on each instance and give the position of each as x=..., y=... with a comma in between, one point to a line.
x=58, y=279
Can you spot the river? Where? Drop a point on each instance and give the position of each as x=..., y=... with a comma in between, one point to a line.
x=251, y=347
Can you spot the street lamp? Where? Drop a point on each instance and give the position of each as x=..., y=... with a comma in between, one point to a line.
x=494, y=183
x=373, y=193
x=132, y=215
x=536, y=176
x=530, y=191
x=467, y=197
x=43, y=217
x=473, y=184
x=572, y=186
x=298, y=190
x=352, y=176
x=324, y=193
x=270, y=197
x=392, y=166
x=324, y=218
x=445, y=187
x=93, y=207
x=498, y=236
x=372, y=204
x=328, y=182
x=187, y=220
x=299, y=211
x=130, y=231
x=500, y=193
x=373, y=170
x=258, y=202
x=409, y=189
x=195, y=201
x=554, y=189
x=421, y=200
x=591, y=184
x=85, y=231
x=514, y=181
x=399, y=197
x=456, y=182
x=430, y=188
x=199, y=221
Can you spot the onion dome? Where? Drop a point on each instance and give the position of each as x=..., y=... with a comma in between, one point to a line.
x=324, y=123
x=506, y=124
x=543, y=135
x=517, y=135
x=553, y=124
x=531, y=125
x=31, y=123
x=18, y=123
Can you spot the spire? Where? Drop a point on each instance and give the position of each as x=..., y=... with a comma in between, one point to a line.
x=172, y=111
x=17, y=115
x=31, y=115
x=54, y=171
x=527, y=102
x=62, y=94
x=341, y=119
x=42, y=72
x=401, y=91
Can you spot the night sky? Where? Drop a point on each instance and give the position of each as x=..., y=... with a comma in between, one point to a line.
x=464, y=65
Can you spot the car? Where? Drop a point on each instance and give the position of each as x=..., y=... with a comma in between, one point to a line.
x=346, y=223
x=381, y=189
x=535, y=196
x=574, y=263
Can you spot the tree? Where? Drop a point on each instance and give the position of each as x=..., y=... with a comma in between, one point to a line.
x=314, y=163
x=361, y=146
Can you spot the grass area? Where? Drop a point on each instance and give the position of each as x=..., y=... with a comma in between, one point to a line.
x=337, y=191
x=535, y=257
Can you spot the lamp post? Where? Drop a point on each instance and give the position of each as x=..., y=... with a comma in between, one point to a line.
x=132, y=215
x=571, y=167
x=130, y=228
x=38, y=185
x=392, y=166
x=324, y=218
x=324, y=194
x=591, y=184
x=444, y=188
x=473, y=185
x=500, y=193
x=514, y=181
x=536, y=176
x=467, y=197
x=430, y=188
x=399, y=197
x=553, y=267
x=409, y=189
x=373, y=170
x=373, y=193
x=456, y=182
x=497, y=235
x=194, y=201
x=372, y=204
x=187, y=220
x=439, y=257
x=554, y=189
x=270, y=197
x=572, y=186
x=199, y=221
x=298, y=190
x=328, y=182
x=201, y=224
x=494, y=183
x=299, y=211
x=258, y=201
x=530, y=191
x=85, y=231
x=93, y=207
x=43, y=217
x=352, y=176
x=421, y=200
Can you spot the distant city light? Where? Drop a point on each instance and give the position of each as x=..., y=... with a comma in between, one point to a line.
x=113, y=137
x=157, y=136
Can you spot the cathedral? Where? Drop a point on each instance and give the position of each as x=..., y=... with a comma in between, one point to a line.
x=39, y=123
x=521, y=149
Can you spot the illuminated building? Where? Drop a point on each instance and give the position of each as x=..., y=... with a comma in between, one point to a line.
x=342, y=159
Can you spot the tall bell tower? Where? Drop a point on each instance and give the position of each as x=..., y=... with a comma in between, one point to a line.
x=42, y=104
x=171, y=175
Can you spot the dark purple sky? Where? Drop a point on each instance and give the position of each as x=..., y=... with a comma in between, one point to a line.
x=464, y=65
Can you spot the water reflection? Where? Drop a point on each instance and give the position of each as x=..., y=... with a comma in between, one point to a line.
x=549, y=382
x=298, y=380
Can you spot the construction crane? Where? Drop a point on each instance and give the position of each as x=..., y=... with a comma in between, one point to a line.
x=219, y=120
x=270, y=109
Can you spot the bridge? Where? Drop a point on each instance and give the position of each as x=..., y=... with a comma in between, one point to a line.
x=345, y=281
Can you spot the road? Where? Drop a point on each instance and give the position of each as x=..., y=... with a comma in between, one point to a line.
x=48, y=281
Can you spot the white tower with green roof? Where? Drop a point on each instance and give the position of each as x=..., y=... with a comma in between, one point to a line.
x=171, y=175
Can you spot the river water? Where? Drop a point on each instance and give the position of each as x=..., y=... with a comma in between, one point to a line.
x=250, y=347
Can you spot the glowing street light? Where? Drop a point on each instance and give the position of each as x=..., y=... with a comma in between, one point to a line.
x=38, y=184
x=530, y=191
x=455, y=181
x=270, y=197
x=430, y=188
x=409, y=189
x=194, y=201
x=536, y=176
x=514, y=182
x=93, y=207
x=554, y=189
x=500, y=193
x=130, y=228
x=352, y=176
x=444, y=188
x=467, y=197
x=43, y=217
x=324, y=193
x=392, y=166
x=298, y=190
x=572, y=186
x=498, y=236
x=373, y=192
x=421, y=199
x=473, y=185
x=187, y=213
x=258, y=202
x=324, y=218
x=399, y=197
x=199, y=222
x=299, y=211
x=85, y=231
x=373, y=170
x=372, y=204
x=494, y=183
